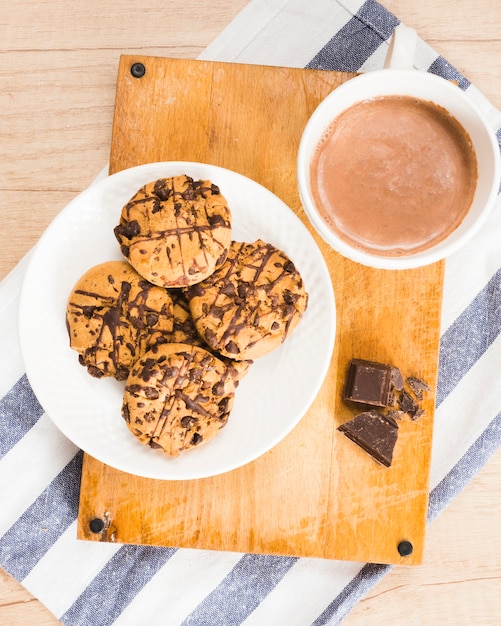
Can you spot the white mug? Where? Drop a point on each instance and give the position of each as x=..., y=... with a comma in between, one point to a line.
x=398, y=78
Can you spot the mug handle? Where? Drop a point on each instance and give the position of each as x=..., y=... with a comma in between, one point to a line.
x=402, y=49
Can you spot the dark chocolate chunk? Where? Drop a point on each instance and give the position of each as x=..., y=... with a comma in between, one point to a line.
x=127, y=229
x=151, y=393
x=162, y=189
x=373, y=432
x=231, y=347
x=196, y=439
x=368, y=382
x=216, y=220
x=188, y=421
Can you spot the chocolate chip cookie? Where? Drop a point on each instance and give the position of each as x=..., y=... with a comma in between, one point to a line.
x=175, y=231
x=177, y=397
x=249, y=305
x=184, y=331
x=113, y=315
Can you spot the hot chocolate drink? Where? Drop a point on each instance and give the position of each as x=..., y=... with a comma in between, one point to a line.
x=394, y=175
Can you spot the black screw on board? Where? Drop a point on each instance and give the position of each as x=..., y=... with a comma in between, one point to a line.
x=137, y=70
x=405, y=548
x=97, y=525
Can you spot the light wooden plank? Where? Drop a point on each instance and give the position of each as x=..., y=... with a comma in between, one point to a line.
x=123, y=26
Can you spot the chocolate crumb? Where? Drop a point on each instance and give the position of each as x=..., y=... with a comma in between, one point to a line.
x=419, y=413
x=395, y=414
x=418, y=386
x=407, y=403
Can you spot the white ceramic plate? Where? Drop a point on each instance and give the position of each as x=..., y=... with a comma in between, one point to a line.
x=270, y=400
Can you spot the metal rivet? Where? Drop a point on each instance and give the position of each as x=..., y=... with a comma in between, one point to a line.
x=138, y=70
x=405, y=548
x=96, y=525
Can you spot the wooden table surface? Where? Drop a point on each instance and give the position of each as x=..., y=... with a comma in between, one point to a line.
x=58, y=72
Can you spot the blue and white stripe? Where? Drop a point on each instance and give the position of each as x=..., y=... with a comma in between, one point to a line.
x=124, y=585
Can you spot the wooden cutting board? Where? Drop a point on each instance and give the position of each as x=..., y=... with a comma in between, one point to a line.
x=315, y=494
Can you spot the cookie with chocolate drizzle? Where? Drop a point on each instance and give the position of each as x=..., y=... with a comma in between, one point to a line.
x=113, y=315
x=249, y=305
x=177, y=397
x=184, y=331
x=175, y=231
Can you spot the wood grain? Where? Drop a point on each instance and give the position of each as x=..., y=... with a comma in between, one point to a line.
x=299, y=499
x=459, y=580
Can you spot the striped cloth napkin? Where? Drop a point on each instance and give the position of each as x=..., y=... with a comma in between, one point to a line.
x=85, y=583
